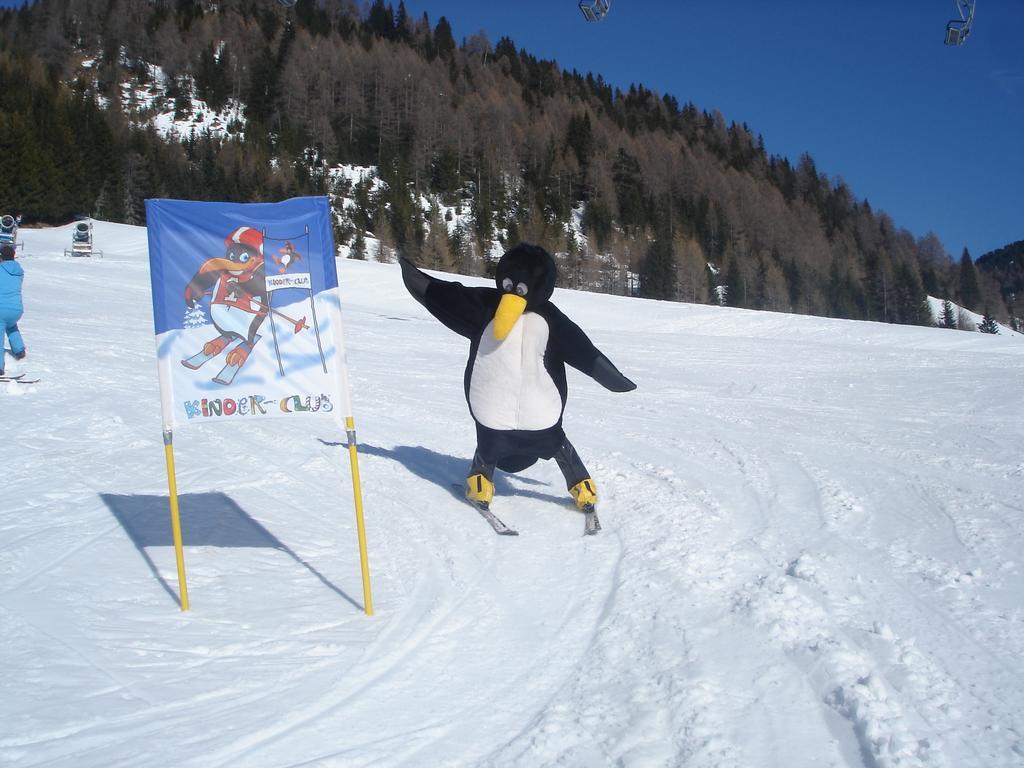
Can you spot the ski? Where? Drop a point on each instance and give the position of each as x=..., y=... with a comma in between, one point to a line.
x=485, y=511
x=496, y=523
x=227, y=374
x=197, y=360
x=11, y=378
x=18, y=379
x=591, y=524
x=201, y=357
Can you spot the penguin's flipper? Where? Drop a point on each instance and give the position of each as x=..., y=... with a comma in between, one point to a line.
x=579, y=351
x=608, y=376
x=461, y=309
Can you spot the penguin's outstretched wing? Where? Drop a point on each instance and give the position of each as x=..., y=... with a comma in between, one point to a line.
x=461, y=309
x=579, y=351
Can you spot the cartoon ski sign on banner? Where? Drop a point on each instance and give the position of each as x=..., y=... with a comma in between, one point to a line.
x=247, y=309
x=287, y=273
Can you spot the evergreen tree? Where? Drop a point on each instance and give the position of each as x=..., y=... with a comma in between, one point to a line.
x=211, y=78
x=382, y=231
x=444, y=42
x=970, y=293
x=658, y=273
x=910, y=301
x=381, y=20
x=570, y=273
x=988, y=325
x=358, y=247
x=947, y=318
x=794, y=284
x=759, y=297
x=137, y=187
x=436, y=253
x=365, y=206
x=629, y=191
x=734, y=287
x=597, y=221
x=580, y=139
x=461, y=246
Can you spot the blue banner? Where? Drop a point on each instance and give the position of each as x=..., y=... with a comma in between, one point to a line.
x=245, y=308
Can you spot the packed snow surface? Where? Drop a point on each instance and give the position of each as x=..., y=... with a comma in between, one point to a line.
x=812, y=550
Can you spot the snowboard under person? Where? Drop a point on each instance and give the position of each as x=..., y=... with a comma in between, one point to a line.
x=11, y=308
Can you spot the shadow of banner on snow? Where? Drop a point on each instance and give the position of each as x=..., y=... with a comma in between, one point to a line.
x=207, y=520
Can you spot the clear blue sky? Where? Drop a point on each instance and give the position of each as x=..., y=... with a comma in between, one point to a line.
x=934, y=135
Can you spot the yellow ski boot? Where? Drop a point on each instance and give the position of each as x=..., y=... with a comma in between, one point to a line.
x=479, y=490
x=585, y=494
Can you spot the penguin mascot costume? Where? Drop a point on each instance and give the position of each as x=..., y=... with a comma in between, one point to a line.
x=515, y=376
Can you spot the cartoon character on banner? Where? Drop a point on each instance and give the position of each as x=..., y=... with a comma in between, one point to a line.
x=292, y=280
x=286, y=257
x=237, y=286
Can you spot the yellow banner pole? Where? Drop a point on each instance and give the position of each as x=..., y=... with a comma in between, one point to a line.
x=172, y=487
x=350, y=426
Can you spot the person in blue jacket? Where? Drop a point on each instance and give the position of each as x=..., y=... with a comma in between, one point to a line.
x=11, y=308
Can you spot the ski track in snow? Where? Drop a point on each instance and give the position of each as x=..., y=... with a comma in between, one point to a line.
x=810, y=553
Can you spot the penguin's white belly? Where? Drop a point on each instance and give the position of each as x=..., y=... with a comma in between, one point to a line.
x=509, y=387
x=232, y=319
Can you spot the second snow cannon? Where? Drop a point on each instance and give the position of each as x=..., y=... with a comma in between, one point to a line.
x=81, y=240
x=9, y=231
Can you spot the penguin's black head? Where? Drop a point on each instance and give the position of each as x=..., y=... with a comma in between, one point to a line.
x=528, y=271
x=526, y=279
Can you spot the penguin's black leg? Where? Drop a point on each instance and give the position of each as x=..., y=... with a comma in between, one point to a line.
x=480, y=483
x=577, y=478
x=481, y=466
x=571, y=465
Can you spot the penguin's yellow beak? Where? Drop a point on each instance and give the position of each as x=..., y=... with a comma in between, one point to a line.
x=509, y=310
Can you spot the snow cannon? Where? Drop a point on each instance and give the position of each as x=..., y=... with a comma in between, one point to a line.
x=9, y=231
x=81, y=241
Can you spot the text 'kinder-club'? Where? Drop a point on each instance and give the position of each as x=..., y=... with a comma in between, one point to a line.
x=255, y=405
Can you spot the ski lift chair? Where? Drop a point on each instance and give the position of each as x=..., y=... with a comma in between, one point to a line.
x=594, y=10
x=958, y=29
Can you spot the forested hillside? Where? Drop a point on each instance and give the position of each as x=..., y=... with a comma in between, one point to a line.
x=1006, y=267
x=684, y=200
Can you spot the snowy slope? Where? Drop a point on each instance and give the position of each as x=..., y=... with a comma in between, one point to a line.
x=811, y=555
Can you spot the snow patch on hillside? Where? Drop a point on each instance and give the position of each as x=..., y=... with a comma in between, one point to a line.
x=146, y=101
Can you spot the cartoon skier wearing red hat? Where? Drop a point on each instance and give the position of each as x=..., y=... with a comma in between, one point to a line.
x=237, y=285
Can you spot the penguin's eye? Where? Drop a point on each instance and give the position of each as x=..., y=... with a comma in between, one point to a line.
x=521, y=289
x=239, y=254
x=506, y=284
